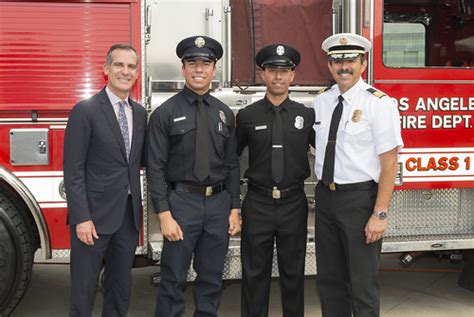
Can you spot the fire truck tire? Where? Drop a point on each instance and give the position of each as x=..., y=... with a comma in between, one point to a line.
x=16, y=257
x=8, y=194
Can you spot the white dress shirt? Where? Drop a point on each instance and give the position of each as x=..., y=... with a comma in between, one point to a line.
x=369, y=126
x=114, y=100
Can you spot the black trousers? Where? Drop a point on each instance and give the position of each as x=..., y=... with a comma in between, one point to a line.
x=265, y=219
x=204, y=222
x=466, y=278
x=117, y=250
x=347, y=267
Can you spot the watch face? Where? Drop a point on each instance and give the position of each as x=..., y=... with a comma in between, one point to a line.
x=382, y=215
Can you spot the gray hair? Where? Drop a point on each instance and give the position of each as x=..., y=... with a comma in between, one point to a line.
x=119, y=46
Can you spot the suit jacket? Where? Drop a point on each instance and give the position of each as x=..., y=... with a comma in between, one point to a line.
x=97, y=176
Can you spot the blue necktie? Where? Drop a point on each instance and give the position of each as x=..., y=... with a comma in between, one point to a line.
x=123, y=123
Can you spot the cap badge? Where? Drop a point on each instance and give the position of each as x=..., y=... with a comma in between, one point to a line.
x=343, y=41
x=280, y=50
x=299, y=122
x=222, y=116
x=356, y=115
x=199, y=42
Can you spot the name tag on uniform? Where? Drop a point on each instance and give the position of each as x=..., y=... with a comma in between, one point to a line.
x=260, y=127
x=179, y=119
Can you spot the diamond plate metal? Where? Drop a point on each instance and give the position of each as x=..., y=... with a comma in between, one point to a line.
x=233, y=265
x=433, y=212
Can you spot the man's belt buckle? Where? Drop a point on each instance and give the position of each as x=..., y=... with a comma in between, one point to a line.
x=332, y=187
x=276, y=194
x=208, y=191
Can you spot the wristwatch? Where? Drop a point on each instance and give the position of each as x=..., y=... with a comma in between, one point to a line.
x=380, y=214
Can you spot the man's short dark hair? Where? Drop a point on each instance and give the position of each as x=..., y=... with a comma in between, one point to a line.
x=119, y=46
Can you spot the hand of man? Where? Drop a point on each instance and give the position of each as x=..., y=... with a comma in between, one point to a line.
x=234, y=222
x=375, y=229
x=85, y=232
x=169, y=227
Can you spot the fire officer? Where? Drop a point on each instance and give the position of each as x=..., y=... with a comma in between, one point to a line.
x=357, y=142
x=193, y=176
x=277, y=132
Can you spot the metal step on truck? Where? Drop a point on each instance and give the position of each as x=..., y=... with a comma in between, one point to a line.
x=51, y=55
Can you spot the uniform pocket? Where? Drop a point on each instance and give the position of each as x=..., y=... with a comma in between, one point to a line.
x=221, y=137
x=357, y=132
x=355, y=128
x=180, y=136
x=181, y=128
x=222, y=130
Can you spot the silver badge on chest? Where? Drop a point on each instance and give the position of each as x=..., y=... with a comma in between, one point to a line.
x=299, y=122
x=222, y=117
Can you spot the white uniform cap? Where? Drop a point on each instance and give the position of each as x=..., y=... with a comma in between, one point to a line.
x=343, y=46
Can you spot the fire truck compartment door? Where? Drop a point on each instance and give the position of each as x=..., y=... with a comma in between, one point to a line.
x=29, y=147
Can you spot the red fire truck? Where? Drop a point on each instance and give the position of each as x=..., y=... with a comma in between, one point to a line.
x=51, y=56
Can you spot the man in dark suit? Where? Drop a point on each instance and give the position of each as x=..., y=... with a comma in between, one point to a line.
x=103, y=152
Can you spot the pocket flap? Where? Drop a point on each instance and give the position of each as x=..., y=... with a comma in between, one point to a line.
x=182, y=127
x=355, y=128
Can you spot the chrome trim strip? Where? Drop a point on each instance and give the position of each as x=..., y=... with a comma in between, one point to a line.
x=367, y=7
x=29, y=120
x=370, y=68
x=408, y=246
x=146, y=238
x=227, y=60
x=57, y=127
x=33, y=206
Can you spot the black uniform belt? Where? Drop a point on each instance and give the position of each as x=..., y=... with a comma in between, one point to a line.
x=275, y=193
x=198, y=189
x=349, y=187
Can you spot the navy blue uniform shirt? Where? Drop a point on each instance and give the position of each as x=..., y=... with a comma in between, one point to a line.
x=171, y=147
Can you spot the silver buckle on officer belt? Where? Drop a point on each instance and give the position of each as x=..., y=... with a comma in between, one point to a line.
x=276, y=194
x=208, y=191
x=332, y=187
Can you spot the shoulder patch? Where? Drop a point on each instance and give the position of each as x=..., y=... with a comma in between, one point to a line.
x=320, y=91
x=376, y=93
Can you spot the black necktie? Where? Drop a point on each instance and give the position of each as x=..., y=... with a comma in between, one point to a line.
x=277, y=146
x=330, y=156
x=201, y=157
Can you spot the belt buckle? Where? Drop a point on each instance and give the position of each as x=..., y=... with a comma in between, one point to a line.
x=332, y=187
x=276, y=194
x=208, y=191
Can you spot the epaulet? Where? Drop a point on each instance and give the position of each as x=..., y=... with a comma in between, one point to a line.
x=376, y=93
x=320, y=91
